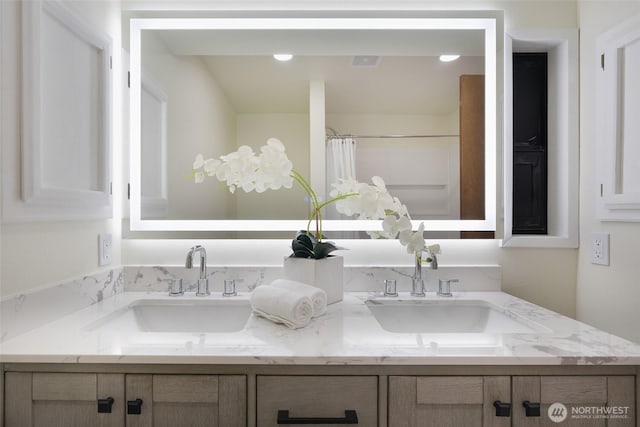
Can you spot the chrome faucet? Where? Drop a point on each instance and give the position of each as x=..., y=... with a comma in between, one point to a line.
x=203, y=282
x=417, y=289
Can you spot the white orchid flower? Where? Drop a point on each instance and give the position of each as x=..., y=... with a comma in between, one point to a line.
x=211, y=165
x=413, y=241
x=198, y=162
x=393, y=226
x=434, y=249
x=271, y=169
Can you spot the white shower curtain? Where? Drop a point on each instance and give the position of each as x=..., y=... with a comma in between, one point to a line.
x=341, y=164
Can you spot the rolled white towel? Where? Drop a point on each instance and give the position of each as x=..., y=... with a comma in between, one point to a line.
x=282, y=306
x=318, y=296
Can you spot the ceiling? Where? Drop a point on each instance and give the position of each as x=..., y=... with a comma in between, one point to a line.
x=397, y=85
x=408, y=78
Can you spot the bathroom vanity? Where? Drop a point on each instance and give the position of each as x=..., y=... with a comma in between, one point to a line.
x=116, y=363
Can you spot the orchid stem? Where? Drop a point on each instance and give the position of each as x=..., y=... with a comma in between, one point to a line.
x=315, y=212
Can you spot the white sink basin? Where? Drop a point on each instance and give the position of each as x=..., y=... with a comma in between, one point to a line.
x=445, y=317
x=179, y=316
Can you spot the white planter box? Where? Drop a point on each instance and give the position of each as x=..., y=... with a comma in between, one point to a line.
x=325, y=274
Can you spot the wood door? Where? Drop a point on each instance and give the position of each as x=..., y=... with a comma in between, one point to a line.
x=448, y=401
x=187, y=400
x=472, y=171
x=317, y=397
x=575, y=400
x=530, y=142
x=62, y=399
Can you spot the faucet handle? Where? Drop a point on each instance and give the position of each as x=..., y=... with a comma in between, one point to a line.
x=229, y=288
x=444, y=287
x=390, y=288
x=175, y=287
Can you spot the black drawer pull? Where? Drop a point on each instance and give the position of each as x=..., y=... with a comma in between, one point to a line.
x=104, y=405
x=503, y=409
x=531, y=409
x=134, y=407
x=350, y=417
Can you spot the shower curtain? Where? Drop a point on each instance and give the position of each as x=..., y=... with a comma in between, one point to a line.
x=341, y=164
x=341, y=160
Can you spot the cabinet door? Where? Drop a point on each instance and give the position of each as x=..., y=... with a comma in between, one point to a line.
x=187, y=400
x=448, y=401
x=61, y=399
x=317, y=400
x=575, y=400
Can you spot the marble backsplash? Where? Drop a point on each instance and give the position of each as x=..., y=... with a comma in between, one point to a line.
x=156, y=279
x=24, y=312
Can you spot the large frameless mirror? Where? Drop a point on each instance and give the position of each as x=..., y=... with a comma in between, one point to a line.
x=365, y=96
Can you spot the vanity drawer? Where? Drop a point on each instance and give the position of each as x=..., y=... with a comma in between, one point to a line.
x=320, y=397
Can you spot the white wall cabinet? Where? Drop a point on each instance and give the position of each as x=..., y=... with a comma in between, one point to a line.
x=617, y=125
x=61, y=169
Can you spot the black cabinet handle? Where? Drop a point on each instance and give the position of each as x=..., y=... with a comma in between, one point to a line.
x=503, y=409
x=104, y=405
x=134, y=407
x=350, y=417
x=531, y=409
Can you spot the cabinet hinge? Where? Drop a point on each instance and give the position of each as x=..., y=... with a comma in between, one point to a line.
x=129, y=79
x=602, y=61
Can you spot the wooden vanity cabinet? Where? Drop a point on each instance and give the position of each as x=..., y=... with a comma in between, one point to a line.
x=187, y=400
x=442, y=401
x=50, y=399
x=584, y=394
x=67, y=395
x=62, y=399
x=317, y=399
x=471, y=400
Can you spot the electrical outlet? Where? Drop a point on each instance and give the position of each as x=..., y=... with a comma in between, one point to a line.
x=599, y=248
x=104, y=249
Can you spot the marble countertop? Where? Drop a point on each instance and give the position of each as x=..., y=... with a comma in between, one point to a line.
x=347, y=334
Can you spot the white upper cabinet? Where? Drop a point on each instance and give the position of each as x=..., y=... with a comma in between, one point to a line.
x=63, y=168
x=617, y=124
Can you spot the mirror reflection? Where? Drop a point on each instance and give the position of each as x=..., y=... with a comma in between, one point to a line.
x=385, y=108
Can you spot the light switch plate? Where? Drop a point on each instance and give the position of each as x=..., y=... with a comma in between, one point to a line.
x=599, y=248
x=104, y=248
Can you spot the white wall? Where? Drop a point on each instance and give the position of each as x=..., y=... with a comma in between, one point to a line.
x=200, y=120
x=607, y=297
x=36, y=254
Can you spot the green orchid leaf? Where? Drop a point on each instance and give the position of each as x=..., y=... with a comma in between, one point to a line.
x=310, y=236
x=305, y=240
x=323, y=249
x=301, y=251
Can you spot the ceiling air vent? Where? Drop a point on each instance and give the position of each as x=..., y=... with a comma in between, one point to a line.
x=365, y=61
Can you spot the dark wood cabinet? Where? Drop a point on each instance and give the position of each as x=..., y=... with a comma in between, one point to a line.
x=530, y=143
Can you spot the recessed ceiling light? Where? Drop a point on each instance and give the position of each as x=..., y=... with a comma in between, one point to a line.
x=448, y=58
x=283, y=57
